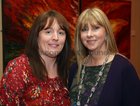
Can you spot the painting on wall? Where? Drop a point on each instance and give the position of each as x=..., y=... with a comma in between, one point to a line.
x=18, y=16
x=119, y=14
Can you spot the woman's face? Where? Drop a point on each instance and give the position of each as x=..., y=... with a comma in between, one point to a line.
x=51, y=40
x=93, y=37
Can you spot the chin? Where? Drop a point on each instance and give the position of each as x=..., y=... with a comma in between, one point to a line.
x=52, y=54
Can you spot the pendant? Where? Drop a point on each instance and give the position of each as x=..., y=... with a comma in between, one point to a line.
x=78, y=103
x=93, y=89
x=80, y=86
x=100, y=73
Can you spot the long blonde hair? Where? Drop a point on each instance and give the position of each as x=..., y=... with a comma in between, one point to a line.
x=92, y=16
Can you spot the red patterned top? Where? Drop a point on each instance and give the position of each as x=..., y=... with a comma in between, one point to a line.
x=18, y=86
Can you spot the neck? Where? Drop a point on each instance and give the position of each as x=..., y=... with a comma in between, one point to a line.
x=97, y=58
x=51, y=66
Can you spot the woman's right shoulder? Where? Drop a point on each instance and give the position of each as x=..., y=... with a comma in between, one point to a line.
x=18, y=61
x=15, y=76
x=17, y=66
x=73, y=70
x=72, y=73
x=73, y=66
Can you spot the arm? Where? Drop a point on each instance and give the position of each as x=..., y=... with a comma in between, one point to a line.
x=12, y=84
x=131, y=86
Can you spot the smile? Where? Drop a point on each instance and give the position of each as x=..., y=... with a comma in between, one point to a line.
x=91, y=41
x=53, y=45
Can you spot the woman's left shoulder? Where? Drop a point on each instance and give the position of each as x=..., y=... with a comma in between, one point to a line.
x=122, y=63
x=122, y=59
x=121, y=56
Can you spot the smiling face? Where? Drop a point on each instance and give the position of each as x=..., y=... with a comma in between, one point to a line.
x=93, y=37
x=51, y=39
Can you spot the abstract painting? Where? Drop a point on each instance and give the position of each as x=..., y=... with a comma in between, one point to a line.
x=18, y=16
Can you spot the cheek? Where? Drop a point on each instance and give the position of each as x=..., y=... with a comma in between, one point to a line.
x=102, y=36
x=82, y=38
x=63, y=40
x=40, y=41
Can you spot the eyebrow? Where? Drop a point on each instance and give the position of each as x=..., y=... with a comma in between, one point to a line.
x=52, y=28
x=46, y=28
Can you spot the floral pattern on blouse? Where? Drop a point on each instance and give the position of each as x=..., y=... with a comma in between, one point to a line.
x=90, y=77
x=19, y=86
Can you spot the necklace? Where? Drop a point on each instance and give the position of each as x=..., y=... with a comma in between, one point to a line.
x=94, y=86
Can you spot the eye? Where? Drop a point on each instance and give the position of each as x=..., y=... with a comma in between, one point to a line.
x=48, y=31
x=84, y=29
x=96, y=27
x=61, y=32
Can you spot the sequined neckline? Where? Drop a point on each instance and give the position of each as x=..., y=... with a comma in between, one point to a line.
x=100, y=73
x=53, y=79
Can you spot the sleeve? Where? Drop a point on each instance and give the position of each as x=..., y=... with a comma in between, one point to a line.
x=131, y=86
x=12, y=84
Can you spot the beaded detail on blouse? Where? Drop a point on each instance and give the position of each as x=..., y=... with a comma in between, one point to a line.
x=18, y=86
x=91, y=73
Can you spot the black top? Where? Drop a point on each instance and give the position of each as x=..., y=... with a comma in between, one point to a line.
x=122, y=85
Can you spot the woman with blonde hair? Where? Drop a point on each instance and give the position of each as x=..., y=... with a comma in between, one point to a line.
x=102, y=76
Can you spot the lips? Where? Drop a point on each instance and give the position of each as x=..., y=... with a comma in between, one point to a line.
x=54, y=45
x=91, y=41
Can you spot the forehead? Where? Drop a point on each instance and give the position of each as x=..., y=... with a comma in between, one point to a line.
x=88, y=19
x=88, y=23
x=54, y=21
x=50, y=22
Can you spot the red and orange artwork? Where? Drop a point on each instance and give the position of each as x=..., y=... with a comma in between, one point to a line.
x=18, y=16
x=119, y=14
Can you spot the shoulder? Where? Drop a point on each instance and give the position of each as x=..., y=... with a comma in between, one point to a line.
x=14, y=78
x=121, y=57
x=73, y=70
x=19, y=60
x=74, y=66
x=122, y=60
x=122, y=64
x=16, y=69
x=72, y=73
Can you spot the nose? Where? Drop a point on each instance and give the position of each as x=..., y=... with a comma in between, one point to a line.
x=89, y=33
x=55, y=36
